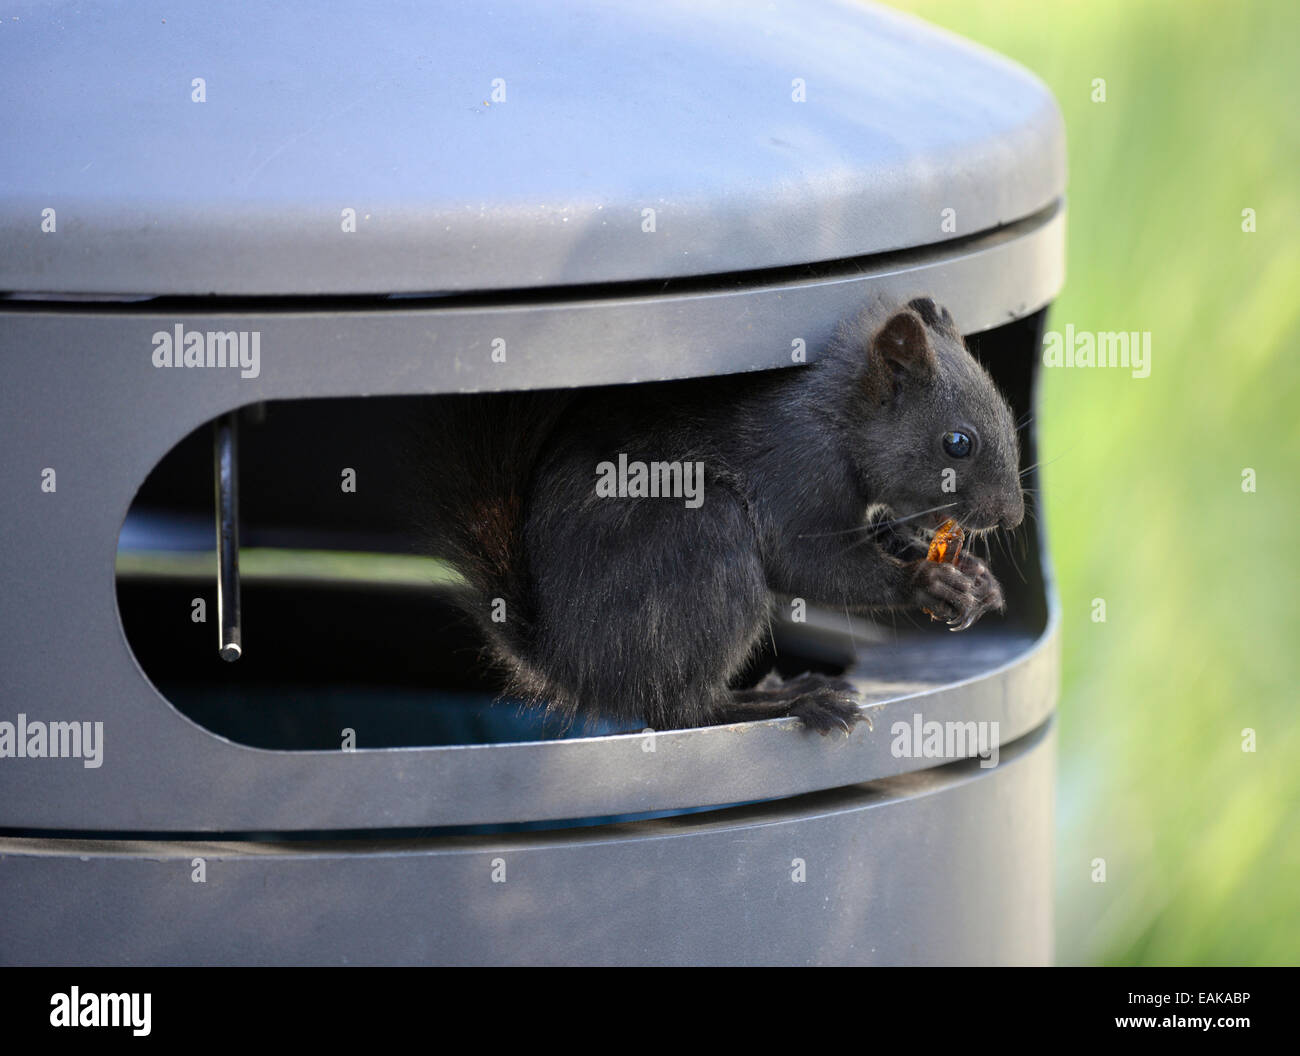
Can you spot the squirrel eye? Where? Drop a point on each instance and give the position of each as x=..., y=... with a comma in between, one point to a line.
x=958, y=445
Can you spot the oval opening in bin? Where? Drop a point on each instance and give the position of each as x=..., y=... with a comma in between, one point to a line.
x=350, y=624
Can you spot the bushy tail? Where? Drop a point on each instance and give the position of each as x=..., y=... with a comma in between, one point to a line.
x=482, y=451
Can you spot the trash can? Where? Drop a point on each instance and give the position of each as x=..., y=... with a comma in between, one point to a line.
x=257, y=217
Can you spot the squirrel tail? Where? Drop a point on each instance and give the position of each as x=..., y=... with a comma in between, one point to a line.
x=482, y=452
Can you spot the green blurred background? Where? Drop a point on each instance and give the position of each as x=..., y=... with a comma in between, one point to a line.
x=1144, y=494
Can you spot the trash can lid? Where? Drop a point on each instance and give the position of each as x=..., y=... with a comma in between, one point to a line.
x=248, y=148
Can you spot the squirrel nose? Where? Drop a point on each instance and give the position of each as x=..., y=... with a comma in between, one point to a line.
x=1014, y=515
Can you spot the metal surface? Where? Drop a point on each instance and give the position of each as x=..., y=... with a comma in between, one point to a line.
x=950, y=866
x=916, y=164
x=907, y=136
x=96, y=369
x=225, y=456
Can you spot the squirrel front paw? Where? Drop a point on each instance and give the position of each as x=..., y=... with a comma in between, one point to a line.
x=987, y=590
x=944, y=591
x=957, y=594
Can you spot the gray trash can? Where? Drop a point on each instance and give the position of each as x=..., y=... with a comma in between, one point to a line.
x=442, y=200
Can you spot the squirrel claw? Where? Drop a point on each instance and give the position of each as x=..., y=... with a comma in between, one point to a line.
x=971, y=617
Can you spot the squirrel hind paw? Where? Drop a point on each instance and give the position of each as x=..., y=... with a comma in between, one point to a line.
x=827, y=711
x=823, y=703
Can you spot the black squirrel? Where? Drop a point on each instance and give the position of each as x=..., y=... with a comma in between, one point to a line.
x=818, y=482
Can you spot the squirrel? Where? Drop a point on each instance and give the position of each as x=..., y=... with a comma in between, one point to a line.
x=643, y=608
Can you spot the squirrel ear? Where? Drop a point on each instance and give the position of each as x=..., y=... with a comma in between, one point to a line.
x=904, y=345
x=935, y=316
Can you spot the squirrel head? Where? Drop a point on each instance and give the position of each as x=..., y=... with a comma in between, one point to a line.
x=938, y=435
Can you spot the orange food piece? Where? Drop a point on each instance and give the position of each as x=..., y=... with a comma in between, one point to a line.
x=946, y=545
x=945, y=548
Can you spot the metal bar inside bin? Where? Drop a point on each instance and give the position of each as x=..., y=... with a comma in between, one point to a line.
x=225, y=452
